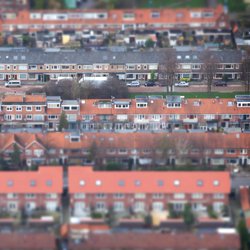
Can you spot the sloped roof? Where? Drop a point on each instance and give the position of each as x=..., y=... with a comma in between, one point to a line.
x=146, y=181
x=46, y=180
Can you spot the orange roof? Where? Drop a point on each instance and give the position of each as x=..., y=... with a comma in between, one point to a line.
x=146, y=181
x=141, y=16
x=45, y=180
x=207, y=106
x=127, y=141
x=245, y=198
x=23, y=98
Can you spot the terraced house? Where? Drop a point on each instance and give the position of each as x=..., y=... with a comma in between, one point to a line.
x=51, y=64
x=30, y=191
x=144, y=113
x=141, y=192
x=131, y=151
x=113, y=20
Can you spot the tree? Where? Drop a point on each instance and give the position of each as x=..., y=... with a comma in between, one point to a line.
x=246, y=73
x=152, y=75
x=149, y=43
x=188, y=216
x=244, y=236
x=16, y=157
x=167, y=69
x=63, y=123
x=209, y=68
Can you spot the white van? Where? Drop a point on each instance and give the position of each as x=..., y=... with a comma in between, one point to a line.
x=13, y=83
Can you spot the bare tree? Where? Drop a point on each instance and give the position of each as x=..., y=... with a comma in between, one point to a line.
x=209, y=68
x=167, y=69
x=246, y=73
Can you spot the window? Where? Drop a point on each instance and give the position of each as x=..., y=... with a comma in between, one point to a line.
x=18, y=108
x=32, y=183
x=137, y=183
x=10, y=183
x=118, y=206
x=118, y=196
x=100, y=196
x=30, y=196
x=29, y=117
x=18, y=117
x=200, y=183
x=216, y=183
x=9, y=108
x=197, y=196
x=128, y=15
x=12, y=196
x=38, y=108
x=218, y=196
x=157, y=196
x=179, y=196
x=140, y=196
x=100, y=206
x=79, y=196
x=49, y=183
x=51, y=196
x=231, y=151
x=28, y=108
x=155, y=14
x=98, y=183
x=160, y=183
x=141, y=105
x=121, y=183
x=81, y=182
x=176, y=183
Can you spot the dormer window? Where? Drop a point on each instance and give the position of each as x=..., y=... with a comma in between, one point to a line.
x=32, y=183
x=142, y=105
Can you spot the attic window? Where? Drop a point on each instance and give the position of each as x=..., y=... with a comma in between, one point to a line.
x=82, y=182
x=137, y=183
x=121, y=183
x=49, y=183
x=178, y=57
x=216, y=183
x=160, y=183
x=32, y=183
x=177, y=183
x=200, y=183
x=10, y=183
x=98, y=183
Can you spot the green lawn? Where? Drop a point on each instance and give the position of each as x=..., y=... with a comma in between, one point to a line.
x=234, y=5
x=193, y=94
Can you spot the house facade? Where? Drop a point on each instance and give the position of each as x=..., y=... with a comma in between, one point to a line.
x=31, y=190
x=140, y=192
x=52, y=64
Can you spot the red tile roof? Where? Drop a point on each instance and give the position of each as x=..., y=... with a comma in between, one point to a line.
x=141, y=16
x=20, y=181
x=146, y=181
x=245, y=198
x=157, y=241
x=27, y=241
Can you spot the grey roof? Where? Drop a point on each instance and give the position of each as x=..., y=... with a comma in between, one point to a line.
x=38, y=56
x=173, y=99
x=53, y=99
x=242, y=98
x=70, y=102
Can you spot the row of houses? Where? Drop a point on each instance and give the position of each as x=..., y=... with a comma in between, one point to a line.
x=50, y=64
x=129, y=151
x=113, y=20
x=123, y=192
x=143, y=114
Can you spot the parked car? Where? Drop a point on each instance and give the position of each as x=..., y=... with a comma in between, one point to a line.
x=181, y=84
x=149, y=84
x=13, y=83
x=133, y=84
x=220, y=83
